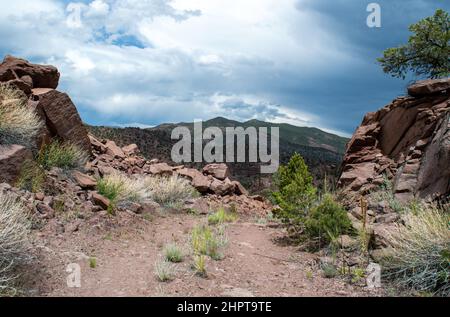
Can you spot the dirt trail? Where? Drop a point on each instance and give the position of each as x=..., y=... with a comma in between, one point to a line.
x=125, y=253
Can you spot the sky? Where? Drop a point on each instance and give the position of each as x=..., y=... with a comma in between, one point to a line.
x=147, y=62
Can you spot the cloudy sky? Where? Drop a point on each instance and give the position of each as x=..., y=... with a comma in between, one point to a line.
x=145, y=62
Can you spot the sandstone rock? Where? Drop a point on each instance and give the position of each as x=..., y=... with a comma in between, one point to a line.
x=113, y=150
x=222, y=188
x=12, y=158
x=85, y=181
x=161, y=169
x=199, y=181
x=61, y=117
x=36, y=76
x=100, y=200
x=131, y=149
x=428, y=87
x=408, y=141
x=97, y=145
x=239, y=189
x=219, y=171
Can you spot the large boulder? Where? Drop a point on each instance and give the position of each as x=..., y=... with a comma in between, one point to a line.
x=61, y=117
x=27, y=76
x=407, y=141
x=12, y=158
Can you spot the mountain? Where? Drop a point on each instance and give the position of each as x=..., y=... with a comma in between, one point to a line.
x=322, y=151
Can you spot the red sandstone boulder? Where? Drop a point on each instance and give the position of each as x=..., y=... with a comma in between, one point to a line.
x=199, y=181
x=219, y=171
x=27, y=76
x=113, y=150
x=83, y=180
x=12, y=158
x=61, y=117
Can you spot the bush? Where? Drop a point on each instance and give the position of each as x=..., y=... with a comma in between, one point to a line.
x=420, y=257
x=14, y=229
x=62, y=155
x=18, y=123
x=327, y=220
x=296, y=192
x=168, y=191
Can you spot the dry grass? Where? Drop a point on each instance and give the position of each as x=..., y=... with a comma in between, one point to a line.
x=421, y=252
x=167, y=191
x=18, y=123
x=14, y=229
x=164, y=270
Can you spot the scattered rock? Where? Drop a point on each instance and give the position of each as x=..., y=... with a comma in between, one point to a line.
x=85, y=181
x=100, y=200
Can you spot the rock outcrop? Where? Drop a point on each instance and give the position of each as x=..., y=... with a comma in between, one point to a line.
x=56, y=109
x=26, y=76
x=407, y=141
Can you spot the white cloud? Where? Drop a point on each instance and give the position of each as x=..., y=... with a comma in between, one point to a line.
x=233, y=52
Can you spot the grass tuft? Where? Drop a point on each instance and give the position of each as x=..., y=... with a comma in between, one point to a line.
x=164, y=271
x=18, y=123
x=221, y=217
x=173, y=253
x=14, y=230
x=62, y=155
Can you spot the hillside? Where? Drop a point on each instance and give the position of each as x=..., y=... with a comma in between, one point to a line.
x=322, y=151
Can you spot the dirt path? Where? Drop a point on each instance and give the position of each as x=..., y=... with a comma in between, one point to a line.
x=127, y=249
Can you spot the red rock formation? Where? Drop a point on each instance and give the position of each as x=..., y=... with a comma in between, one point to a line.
x=408, y=141
x=55, y=108
x=11, y=160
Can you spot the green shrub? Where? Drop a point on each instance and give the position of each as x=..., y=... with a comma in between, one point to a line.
x=296, y=192
x=61, y=155
x=327, y=220
x=18, y=123
x=420, y=257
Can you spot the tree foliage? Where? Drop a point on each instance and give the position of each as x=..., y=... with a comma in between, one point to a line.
x=296, y=192
x=427, y=53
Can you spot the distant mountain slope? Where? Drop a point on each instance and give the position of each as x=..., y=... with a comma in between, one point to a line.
x=302, y=136
x=322, y=151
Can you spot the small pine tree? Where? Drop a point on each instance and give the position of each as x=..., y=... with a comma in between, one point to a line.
x=296, y=192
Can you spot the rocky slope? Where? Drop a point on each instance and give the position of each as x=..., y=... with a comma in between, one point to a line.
x=76, y=190
x=322, y=151
x=407, y=142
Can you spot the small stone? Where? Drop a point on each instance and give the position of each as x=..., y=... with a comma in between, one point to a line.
x=100, y=200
